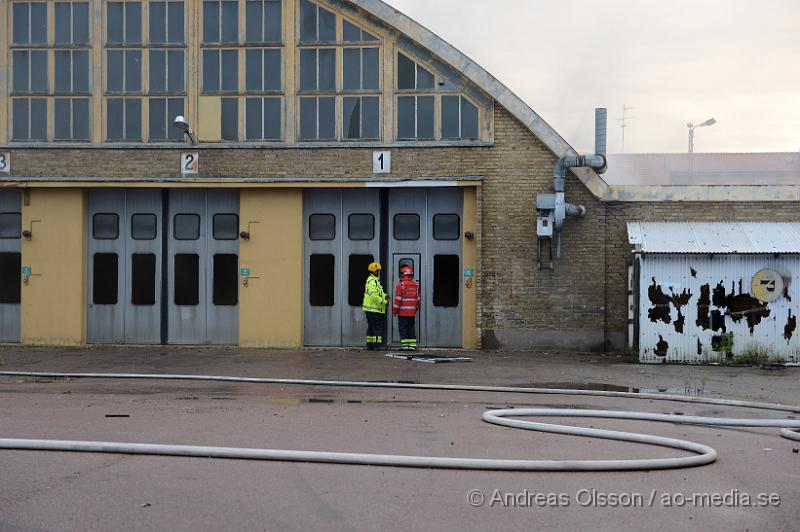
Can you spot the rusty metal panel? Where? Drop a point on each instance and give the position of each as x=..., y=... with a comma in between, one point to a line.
x=715, y=237
x=700, y=309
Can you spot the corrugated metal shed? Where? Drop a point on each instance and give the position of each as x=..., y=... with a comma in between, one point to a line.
x=715, y=237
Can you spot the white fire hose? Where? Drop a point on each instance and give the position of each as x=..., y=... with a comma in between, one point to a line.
x=703, y=454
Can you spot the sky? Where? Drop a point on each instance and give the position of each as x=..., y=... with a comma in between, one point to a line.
x=672, y=61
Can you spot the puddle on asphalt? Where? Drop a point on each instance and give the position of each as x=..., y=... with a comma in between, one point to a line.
x=605, y=387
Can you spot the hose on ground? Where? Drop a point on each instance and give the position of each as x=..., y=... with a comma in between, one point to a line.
x=703, y=454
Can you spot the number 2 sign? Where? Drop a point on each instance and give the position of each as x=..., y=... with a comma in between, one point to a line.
x=189, y=163
x=5, y=163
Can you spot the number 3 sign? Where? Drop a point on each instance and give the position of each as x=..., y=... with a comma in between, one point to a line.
x=190, y=163
x=5, y=163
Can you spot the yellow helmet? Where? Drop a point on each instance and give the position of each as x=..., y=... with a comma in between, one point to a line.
x=374, y=267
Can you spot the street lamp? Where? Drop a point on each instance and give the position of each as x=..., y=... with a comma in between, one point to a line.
x=692, y=127
x=182, y=124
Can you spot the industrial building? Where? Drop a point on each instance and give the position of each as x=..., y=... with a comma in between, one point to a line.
x=329, y=133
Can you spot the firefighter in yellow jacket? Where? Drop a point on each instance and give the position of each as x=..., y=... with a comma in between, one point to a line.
x=374, y=306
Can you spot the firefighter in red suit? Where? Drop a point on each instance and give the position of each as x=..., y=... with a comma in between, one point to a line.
x=405, y=307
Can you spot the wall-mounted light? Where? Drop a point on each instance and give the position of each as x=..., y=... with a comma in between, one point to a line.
x=180, y=123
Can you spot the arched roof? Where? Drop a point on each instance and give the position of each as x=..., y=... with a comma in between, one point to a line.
x=483, y=79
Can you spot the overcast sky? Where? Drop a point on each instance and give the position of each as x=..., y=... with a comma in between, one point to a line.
x=673, y=61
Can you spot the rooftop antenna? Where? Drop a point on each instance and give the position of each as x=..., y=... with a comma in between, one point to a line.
x=624, y=123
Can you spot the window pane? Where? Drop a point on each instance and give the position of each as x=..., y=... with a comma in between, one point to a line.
x=115, y=31
x=174, y=108
x=469, y=120
x=175, y=71
x=38, y=60
x=357, y=276
x=370, y=118
x=187, y=226
x=20, y=117
x=133, y=119
x=230, y=119
x=80, y=71
x=272, y=119
x=158, y=18
x=255, y=20
x=327, y=26
x=211, y=22
x=226, y=226
x=352, y=118
x=63, y=18
x=133, y=22
x=272, y=70
x=405, y=72
x=106, y=278
x=80, y=118
x=322, y=280
x=322, y=227
x=144, y=226
x=62, y=119
x=446, y=280
x=226, y=280
x=253, y=70
x=10, y=225
x=21, y=65
x=327, y=69
x=10, y=278
x=158, y=71
x=451, y=108
x=175, y=25
x=230, y=70
x=38, y=23
x=133, y=70
x=425, y=117
x=371, y=62
x=21, y=31
x=352, y=33
x=210, y=70
x=308, y=118
x=253, y=117
x=406, y=227
x=351, y=68
x=308, y=69
x=446, y=227
x=114, y=70
x=187, y=279
x=158, y=118
x=80, y=23
x=143, y=279
x=327, y=118
x=105, y=226
x=38, y=119
x=274, y=20
x=63, y=69
x=230, y=21
x=406, y=117
x=308, y=21
x=424, y=78
x=114, y=119
x=361, y=227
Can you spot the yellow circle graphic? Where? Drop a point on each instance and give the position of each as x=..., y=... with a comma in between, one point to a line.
x=767, y=286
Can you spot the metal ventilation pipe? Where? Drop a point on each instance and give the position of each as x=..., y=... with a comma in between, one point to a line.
x=600, y=130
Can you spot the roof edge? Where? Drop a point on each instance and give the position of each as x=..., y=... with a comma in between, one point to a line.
x=702, y=193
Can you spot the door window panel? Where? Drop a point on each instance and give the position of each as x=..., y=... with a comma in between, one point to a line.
x=406, y=227
x=106, y=277
x=187, y=279
x=105, y=226
x=322, y=270
x=10, y=225
x=357, y=277
x=144, y=226
x=226, y=280
x=10, y=278
x=226, y=226
x=187, y=226
x=361, y=227
x=446, y=227
x=143, y=279
x=446, y=280
x=322, y=227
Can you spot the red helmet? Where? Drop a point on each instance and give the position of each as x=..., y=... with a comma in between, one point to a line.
x=407, y=270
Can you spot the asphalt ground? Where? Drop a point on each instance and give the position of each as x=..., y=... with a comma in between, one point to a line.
x=72, y=491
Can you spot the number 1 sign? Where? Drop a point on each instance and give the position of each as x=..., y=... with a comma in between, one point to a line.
x=381, y=162
x=189, y=163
